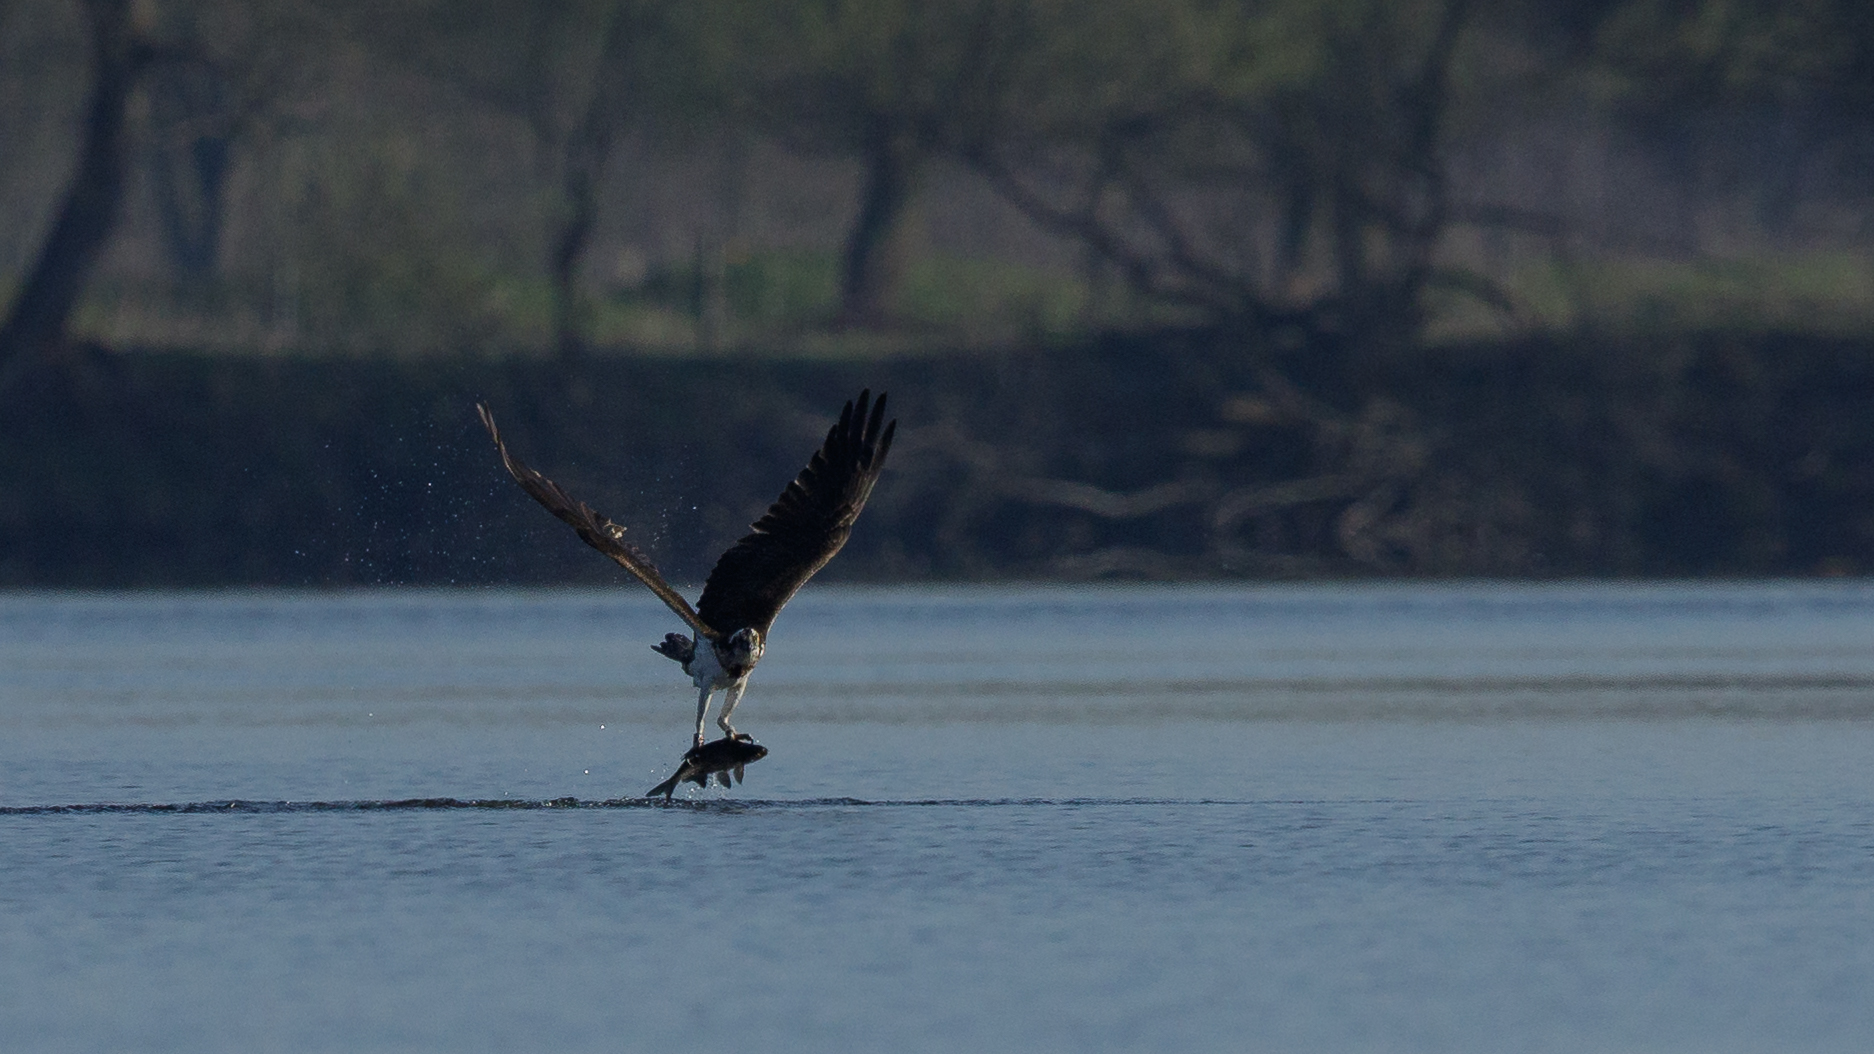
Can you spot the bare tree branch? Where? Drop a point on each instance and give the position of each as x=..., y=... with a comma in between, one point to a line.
x=1107, y=504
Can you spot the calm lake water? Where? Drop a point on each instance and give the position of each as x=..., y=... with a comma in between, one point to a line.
x=1362, y=818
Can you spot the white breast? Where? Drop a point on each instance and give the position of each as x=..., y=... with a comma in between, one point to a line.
x=705, y=670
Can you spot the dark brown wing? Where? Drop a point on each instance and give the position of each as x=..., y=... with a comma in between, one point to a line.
x=805, y=527
x=600, y=533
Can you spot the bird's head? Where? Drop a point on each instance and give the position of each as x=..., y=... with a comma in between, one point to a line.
x=740, y=651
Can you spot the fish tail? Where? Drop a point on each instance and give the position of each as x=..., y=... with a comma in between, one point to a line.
x=666, y=788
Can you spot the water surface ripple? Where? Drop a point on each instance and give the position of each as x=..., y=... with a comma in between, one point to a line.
x=1339, y=818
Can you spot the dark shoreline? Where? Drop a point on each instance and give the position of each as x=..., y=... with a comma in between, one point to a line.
x=1168, y=456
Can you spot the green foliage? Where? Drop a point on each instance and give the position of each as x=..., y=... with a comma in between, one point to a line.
x=823, y=72
x=776, y=296
x=779, y=288
x=1282, y=165
x=1717, y=51
x=1823, y=294
x=993, y=298
x=1263, y=164
x=386, y=262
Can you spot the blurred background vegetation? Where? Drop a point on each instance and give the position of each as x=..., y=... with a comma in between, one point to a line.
x=1170, y=288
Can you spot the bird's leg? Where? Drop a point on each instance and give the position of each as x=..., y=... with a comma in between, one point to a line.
x=729, y=699
x=702, y=709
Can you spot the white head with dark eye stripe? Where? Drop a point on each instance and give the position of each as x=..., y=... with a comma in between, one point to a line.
x=740, y=651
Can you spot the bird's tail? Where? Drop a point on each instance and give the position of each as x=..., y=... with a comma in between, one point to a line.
x=677, y=646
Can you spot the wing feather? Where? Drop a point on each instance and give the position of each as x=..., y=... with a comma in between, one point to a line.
x=805, y=527
x=597, y=531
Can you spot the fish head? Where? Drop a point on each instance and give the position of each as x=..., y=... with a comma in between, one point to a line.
x=726, y=753
x=742, y=750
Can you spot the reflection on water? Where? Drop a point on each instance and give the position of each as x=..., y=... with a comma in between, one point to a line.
x=1450, y=818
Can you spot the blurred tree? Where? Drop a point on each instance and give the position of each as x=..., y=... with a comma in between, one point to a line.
x=35, y=325
x=577, y=73
x=892, y=82
x=223, y=69
x=207, y=69
x=1715, y=51
x=192, y=116
x=1753, y=93
x=1277, y=165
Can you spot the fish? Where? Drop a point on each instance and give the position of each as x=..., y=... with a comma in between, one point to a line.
x=720, y=758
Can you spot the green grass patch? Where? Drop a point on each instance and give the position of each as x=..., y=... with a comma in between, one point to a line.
x=790, y=298
x=1822, y=294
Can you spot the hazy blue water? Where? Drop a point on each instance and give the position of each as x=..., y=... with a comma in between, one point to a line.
x=1345, y=819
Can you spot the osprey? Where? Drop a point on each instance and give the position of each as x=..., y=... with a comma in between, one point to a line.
x=800, y=533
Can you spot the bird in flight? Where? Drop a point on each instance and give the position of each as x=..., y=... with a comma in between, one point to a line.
x=801, y=531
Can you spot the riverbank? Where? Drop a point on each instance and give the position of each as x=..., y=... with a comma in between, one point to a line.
x=1175, y=456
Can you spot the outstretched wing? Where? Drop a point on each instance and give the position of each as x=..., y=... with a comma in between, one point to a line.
x=805, y=527
x=600, y=533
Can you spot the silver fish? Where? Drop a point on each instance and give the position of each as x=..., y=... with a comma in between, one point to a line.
x=719, y=758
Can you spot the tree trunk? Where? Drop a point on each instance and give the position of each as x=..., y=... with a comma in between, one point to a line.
x=587, y=148
x=569, y=251
x=873, y=267
x=36, y=326
x=191, y=109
